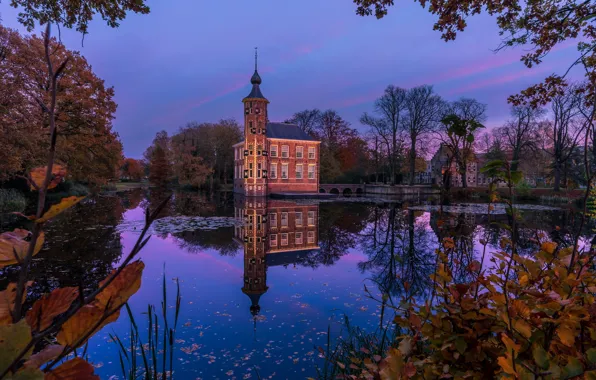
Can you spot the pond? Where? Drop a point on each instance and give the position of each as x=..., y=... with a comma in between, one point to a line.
x=263, y=282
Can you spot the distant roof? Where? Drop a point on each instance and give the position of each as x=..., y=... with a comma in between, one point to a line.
x=287, y=131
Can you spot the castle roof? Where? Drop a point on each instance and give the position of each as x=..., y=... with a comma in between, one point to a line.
x=287, y=131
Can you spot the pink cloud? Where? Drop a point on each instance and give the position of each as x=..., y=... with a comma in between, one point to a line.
x=497, y=80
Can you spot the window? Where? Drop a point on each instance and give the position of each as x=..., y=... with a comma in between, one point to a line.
x=273, y=240
x=284, y=171
x=298, y=219
x=250, y=149
x=311, y=172
x=273, y=220
x=311, y=152
x=273, y=173
x=235, y=172
x=235, y=154
x=259, y=167
x=284, y=239
x=298, y=171
x=284, y=219
x=311, y=218
x=259, y=149
x=273, y=150
x=250, y=172
x=298, y=238
x=285, y=151
x=310, y=237
x=299, y=152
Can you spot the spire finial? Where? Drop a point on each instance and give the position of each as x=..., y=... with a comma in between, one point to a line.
x=256, y=56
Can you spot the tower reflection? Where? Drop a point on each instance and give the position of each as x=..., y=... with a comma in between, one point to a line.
x=273, y=232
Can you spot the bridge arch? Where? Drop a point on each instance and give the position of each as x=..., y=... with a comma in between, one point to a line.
x=322, y=191
x=334, y=190
x=347, y=192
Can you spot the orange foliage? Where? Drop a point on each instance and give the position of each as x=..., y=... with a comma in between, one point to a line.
x=86, y=143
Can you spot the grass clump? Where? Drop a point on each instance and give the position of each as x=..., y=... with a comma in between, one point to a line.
x=12, y=200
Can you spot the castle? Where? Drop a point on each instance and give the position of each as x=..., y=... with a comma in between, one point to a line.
x=273, y=157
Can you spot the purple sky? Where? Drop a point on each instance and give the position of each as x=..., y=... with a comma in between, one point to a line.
x=192, y=60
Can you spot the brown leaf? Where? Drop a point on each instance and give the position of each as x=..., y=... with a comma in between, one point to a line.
x=76, y=368
x=17, y=242
x=51, y=305
x=122, y=287
x=88, y=320
x=548, y=247
x=38, y=176
x=50, y=352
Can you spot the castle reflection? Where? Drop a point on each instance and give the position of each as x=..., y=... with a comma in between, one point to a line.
x=273, y=232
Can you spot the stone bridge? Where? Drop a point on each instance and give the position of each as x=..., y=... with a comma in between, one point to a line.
x=344, y=189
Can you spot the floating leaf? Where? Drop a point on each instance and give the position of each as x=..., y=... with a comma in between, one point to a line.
x=56, y=209
x=76, y=368
x=50, y=352
x=44, y=310
x=17, y=242
x=13, y=339
x=122, y=287
x=38, y=176
x=89, y=319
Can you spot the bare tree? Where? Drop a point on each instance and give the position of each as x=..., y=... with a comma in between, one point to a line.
x=390, y=107
x=424, y=112
x=307, y=120
x=519, y=134
x=562, y=134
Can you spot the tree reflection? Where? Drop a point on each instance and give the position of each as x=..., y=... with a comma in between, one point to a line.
x=82, y=246
x=400, y=251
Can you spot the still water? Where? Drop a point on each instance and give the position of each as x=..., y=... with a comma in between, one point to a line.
x=263, y=281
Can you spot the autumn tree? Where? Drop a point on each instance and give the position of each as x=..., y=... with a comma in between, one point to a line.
x=538, y=26
x=87, y=143
x=212, y=142
x=424, y=112
x=159, y=159
x=131, y=169
x=188, y=167
x=390, y=108
x=76, y=14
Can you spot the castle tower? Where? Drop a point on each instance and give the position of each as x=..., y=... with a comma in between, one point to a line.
x=255, y=140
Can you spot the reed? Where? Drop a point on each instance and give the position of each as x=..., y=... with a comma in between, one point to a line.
x=158, y=354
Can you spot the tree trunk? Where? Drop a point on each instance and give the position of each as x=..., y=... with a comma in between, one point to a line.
x=412, y=160
x=557, y=184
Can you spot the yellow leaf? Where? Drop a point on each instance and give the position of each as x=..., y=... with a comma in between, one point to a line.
x=38, y=176
x=510, y=344
x=44, y=310
x=548, y=247
x=566, y=335
x=13, y=339
x=17, y=242
x=523, y=327
x=76, y=368
x=88, y=320
x=56, y=209
x=506, y=364
x=122, y=287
